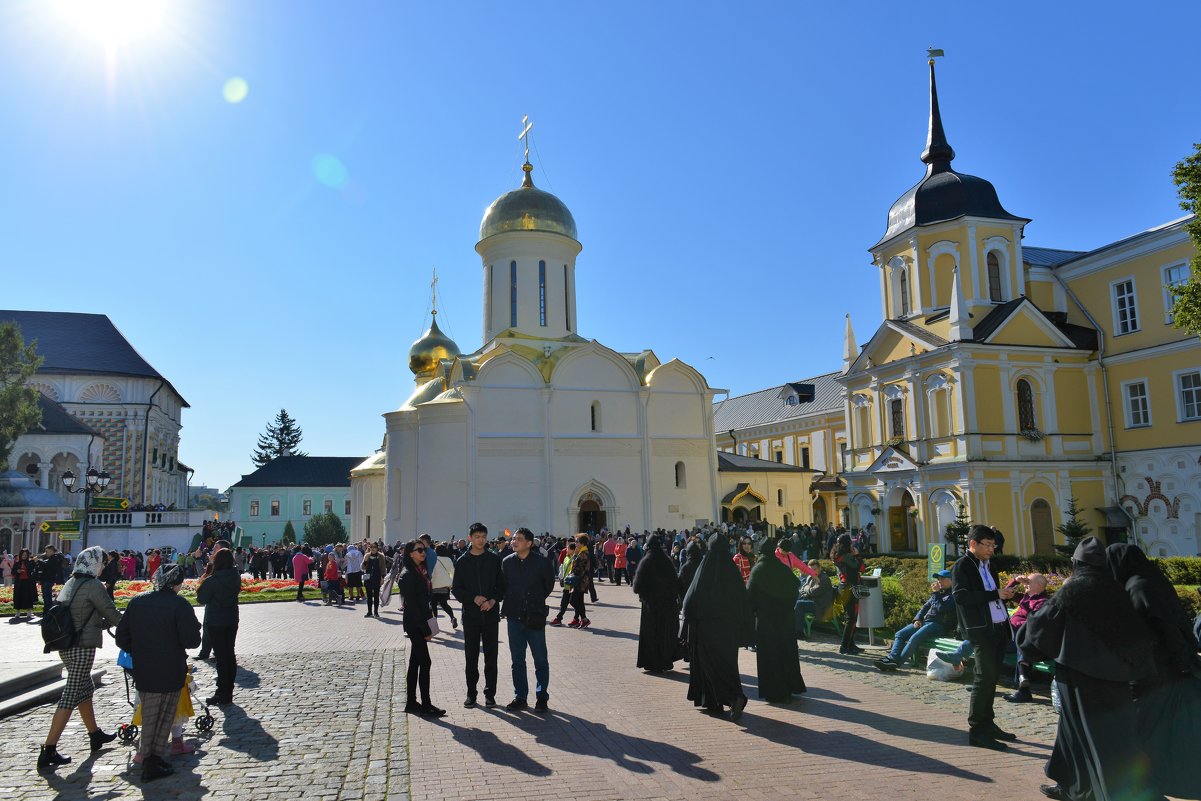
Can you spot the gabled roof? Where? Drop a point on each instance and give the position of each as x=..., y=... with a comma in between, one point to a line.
x=1073, y=336
x=742, y=490
x=733, y=463
x=992, y=321
x=303, y=471
x=1048, y=257
x=57, y=420
x=917, y=332
x=766, y=406
x=84, y=344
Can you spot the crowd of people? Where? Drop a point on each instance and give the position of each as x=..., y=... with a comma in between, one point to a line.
x=1125, y=653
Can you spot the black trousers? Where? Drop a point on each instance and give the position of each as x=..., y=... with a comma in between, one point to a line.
x=418, y=676
x=47, y=595
x=477, y=633
x=577, y=604
x=300, y=588
x=563, y=604
x=990, y=650
x=372, y=588
x=436, y=600
x=222, y=639
x=850, y=606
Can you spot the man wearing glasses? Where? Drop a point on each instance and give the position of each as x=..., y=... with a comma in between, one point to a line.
x=983, y=619
x=529, y=578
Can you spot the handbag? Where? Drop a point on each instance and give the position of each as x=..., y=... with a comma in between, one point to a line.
x=434, y=628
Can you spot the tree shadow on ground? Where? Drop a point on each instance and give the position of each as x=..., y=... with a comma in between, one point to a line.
x=246, y=735
x=490, y=748
x=575, y=735
x=853, y=748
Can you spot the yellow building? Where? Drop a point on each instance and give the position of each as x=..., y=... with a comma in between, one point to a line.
x=799, y=427
x=1009, y=379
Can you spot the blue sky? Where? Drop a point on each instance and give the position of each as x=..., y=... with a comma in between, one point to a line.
x=727, y=166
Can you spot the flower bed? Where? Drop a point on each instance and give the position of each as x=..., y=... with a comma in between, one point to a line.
x=253, y=591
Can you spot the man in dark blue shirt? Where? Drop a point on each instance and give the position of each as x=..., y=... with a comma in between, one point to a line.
x=529, y=577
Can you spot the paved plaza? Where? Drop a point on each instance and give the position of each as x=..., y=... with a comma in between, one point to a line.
x=318, y=717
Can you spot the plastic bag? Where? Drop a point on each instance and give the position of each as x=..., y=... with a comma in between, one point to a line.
x=938, y=670
x=1055, y=702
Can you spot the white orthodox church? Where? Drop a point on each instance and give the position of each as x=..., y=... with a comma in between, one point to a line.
x=539, y=427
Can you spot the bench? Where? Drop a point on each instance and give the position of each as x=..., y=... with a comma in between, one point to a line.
x=811, y=620
x=948, y=645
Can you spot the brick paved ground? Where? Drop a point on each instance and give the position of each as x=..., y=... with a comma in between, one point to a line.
x=318, y=718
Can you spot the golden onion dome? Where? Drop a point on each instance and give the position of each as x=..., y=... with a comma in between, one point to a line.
x=527, y=208
x=431, y=349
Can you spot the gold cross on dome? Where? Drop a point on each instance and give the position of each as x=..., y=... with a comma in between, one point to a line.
x=434, y=291
x=524, y=136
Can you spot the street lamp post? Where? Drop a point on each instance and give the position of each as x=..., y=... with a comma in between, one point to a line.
x=94, y=484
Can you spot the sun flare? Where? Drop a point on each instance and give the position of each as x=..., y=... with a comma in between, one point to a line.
x=114, y=22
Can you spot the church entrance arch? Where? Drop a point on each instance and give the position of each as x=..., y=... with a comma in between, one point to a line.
x=902, y=523
x=820, y=517
x=1043, y=526
x=592, y=515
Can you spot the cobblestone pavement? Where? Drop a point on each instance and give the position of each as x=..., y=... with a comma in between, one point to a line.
x=320, y=689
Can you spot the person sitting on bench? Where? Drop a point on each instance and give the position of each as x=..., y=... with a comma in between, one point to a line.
x=1031, y=600
x=936, y=617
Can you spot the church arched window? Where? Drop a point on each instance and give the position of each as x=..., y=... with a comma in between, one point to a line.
x=681, y=476
x=542, y=293
x=512, y=294
x=903, y=283
x=994, y=277
x=596, y=416
x=896, y=415
x=1026, y=419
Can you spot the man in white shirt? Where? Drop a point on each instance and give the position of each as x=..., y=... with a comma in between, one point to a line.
x=354, y=573
x=983, y=619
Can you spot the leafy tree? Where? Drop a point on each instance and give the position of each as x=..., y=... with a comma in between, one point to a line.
x=1186, y=311
x=1073, y=529
x=281, y=438
x=289, y=537
x=19, y=410
x=325, y=529
x=957, y=530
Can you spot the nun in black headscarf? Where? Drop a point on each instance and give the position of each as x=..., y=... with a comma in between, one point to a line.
x=1100, y=645
x=1168, y=703
x=772, y=592
x=658, y=634
x=693, y=553
x=718, y=618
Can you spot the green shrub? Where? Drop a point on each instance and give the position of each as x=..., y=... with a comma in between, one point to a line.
x=1191, y=599
x=1181, y=569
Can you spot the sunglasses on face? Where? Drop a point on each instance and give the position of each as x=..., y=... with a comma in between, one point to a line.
x=419, y=550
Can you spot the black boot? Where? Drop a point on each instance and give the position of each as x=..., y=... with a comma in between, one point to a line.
x=99, y=739
x=49, y=757
x=154, y=767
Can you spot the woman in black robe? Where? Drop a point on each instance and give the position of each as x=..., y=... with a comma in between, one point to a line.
x=772, y=593
x=1100, y=645
x=718, y=618
x=1168, y=704
x=693, y=553
x=658, y=632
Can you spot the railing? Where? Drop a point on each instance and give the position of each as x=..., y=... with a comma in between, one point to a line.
x=137, y=519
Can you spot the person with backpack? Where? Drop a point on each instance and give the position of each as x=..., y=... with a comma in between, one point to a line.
x=76, y=634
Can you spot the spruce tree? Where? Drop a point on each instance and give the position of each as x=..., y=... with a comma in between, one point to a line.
x=1073, y=529
x=289, y=535
x=19, y=410
x=957, y=530
x=325, y=529
x=281, y=438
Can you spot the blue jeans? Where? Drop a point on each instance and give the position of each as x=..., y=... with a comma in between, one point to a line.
x=521, y=636
x=956, y=657
x=910, y=638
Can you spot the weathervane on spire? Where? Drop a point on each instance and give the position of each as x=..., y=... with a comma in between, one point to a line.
x=434, y=293
x=524, y=136
x=932, y=53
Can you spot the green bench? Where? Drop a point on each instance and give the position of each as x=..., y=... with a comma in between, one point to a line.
x=948, y=645
x=811, y=619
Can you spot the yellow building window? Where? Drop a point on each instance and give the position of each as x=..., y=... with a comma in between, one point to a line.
x=1026, y=419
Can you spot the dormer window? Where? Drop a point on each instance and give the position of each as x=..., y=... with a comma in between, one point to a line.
x=994, y=278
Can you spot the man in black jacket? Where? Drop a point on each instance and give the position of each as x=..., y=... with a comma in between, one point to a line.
x=156, y=629
x=529, y=577
x=50, y=572
x=983, y=619
x=479, y=586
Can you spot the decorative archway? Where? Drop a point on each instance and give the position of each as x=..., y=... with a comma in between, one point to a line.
x=902, y=528
x=1042, y=526
x=592, y=506
x=592, y=516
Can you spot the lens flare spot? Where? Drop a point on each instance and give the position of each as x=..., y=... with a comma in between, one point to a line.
x=235, y=90
x=330, y=171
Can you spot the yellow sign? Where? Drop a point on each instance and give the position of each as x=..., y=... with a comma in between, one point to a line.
x=60, y=526
x=110, y=504
x=935, y=559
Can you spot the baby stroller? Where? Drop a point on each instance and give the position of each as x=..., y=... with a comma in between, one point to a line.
x=127, y=733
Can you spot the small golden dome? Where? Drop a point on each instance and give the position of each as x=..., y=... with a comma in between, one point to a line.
x=431, y=349
x=527, y=208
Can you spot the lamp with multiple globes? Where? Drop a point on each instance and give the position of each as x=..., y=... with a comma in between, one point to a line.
x=94, y=484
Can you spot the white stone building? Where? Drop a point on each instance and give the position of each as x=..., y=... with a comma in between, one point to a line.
x=539, y=427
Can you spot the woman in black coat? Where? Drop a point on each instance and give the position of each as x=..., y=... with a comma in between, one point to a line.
x=415, y=591
x=25, y=584
x=658, y=632
x=772, y=591
x=218, y=592
x=111, y=572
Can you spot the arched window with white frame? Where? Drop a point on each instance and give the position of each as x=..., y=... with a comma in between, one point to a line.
x=996, y=293
x=1027, y=419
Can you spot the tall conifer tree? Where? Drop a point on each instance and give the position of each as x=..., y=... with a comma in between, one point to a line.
x=280, y=439
x=19, y=410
